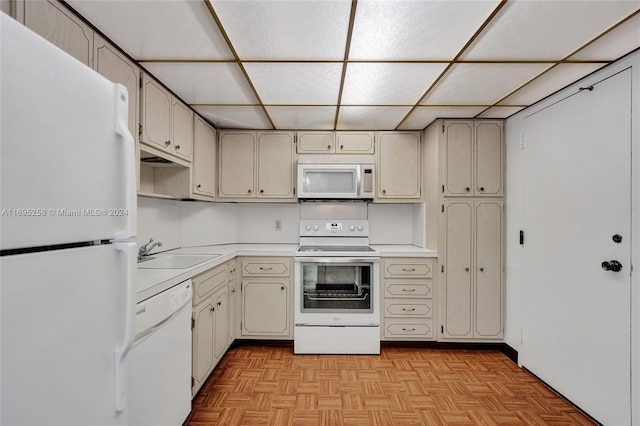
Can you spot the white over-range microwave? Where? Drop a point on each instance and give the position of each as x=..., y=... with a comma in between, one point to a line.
x=336, y=177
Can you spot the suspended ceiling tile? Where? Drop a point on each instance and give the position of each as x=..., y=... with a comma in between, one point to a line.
x=480, y=84
x=388, y=83
x=370, y=118
x=550, y=82
x=301, y=118
x=286, y=29
x=296, y=83
x=422, y=116
x=614, y=44
x=415, y=29
x=204, y=83
x=234, y=117
x=537, y=30
x=500, y=112
x=159, y=29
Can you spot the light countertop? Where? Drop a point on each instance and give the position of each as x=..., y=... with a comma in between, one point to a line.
x=153, y=281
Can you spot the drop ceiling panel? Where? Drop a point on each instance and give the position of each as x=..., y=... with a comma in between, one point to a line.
x=370, y=118
x=614, y=44
x=302, y=118
x=286, y=29
x=535, y=30
x=550, y=82
x=395, y=30
x=421, y=117
x=235, y=117
x=204, y=83
x=480, y=84
x=296, y=83
x=500, y=112
x=178, y=29
x=388, y=83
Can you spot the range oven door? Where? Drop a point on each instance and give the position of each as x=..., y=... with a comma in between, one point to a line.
x=337, y=291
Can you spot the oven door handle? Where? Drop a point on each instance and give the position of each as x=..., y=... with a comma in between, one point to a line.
x=338, y=298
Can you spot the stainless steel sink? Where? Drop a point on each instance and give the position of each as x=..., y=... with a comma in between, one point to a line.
x=175, y=261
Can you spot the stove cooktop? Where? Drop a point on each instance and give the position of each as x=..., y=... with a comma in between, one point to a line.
x=329, y=249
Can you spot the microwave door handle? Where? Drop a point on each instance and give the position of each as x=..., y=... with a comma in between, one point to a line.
x=358, y=180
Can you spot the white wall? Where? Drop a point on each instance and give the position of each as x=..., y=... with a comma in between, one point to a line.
x=159, y=219
x=208, y=223
x=515, y=302
x=256, y=223
x=395, y=224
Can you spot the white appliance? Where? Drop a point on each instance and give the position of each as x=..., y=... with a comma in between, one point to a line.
x=336, y=177
x=160, y=360
x=68, y=214
x=337, y=289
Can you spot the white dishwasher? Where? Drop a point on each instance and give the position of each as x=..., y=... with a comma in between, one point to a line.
x=160, y=359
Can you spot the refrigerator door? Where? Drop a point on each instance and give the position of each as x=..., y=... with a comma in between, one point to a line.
x=67, y=158
x=65, y=315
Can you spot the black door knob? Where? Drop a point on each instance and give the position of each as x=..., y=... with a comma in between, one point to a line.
x=612, y=265
x=617, y=238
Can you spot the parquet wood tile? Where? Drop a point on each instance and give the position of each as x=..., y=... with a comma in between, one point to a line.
x=269, y=385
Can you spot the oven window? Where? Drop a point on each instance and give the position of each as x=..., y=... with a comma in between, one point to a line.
x=337, y=287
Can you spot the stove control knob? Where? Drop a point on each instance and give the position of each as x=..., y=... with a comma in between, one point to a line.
x=352, y=228
x=307, y=228
x=360, y=228
x=316, y=227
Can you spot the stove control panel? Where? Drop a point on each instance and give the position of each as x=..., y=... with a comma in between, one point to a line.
x=334, y=228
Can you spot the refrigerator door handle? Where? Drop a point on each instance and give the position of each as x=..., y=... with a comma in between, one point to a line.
x=128, y=145
x=121, y=371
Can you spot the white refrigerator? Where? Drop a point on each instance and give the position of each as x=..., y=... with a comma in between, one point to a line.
x=68, y=218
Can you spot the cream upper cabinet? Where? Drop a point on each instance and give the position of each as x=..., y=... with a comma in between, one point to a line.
x=473, y=152
x=398, y=167
x=328, y=142
x=276, y=165
x=236, y=164
x=256, y=166
x=472, y=267
x=60, y=26
x=111, y=63
x=166, y=123
x=204, y=165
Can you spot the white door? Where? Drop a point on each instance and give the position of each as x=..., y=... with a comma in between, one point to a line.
x=577, y=197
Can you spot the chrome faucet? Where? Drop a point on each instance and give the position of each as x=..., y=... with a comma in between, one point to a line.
x=146, y=248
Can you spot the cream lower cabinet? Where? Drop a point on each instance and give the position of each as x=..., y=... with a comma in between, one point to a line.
x=408, y=299
x=472, y=270
x=210, y=322
x=398, y=167
x=256, y=166
x=266, y=298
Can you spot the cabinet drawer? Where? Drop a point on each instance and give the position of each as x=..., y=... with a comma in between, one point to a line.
x=408, y=308
x=408, y=288
x=205, y=283
x=405, y=268
x=260, y=267
x=408, y=328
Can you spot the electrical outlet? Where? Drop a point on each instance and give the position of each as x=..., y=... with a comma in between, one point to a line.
x=278, y=225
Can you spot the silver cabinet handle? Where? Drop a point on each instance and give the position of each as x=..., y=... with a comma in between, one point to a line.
x=408, y=290
x=408, y=310
x=177, y=146
x=167, y=143
x=262, y=268
x=408, y=329
x=409, y=269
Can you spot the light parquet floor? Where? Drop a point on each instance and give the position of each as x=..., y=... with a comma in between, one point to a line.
x=269, y=385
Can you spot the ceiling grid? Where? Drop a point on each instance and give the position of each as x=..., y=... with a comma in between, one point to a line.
x=365, y=64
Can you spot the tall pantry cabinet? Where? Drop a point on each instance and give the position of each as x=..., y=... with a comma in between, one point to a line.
x=464, y=206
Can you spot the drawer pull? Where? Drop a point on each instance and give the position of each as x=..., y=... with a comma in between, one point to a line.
x=408, y=329
x=408, y=290
x=262, y=268
x=408, y=310
x=409, y=269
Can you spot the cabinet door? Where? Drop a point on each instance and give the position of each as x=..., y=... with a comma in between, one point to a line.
x=57, y=24
x=276, y=165
x=182, y=129
x=398, y=165
x=355, y=142
x=221, y=323
x=204, y=159
x=109, y=62
x=458, y=158
x=237, y=165
x=488, y=269
x=488, y=158
x=458, y=282
x=316, y=142
x=265, y=307
x=203, y=341
x=156, y=114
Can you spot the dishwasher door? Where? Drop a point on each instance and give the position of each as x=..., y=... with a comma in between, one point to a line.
x=160, y=360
